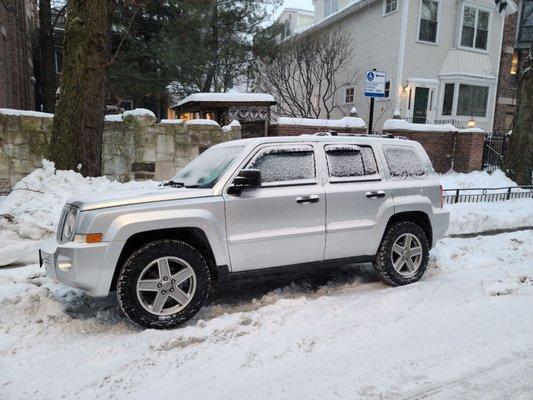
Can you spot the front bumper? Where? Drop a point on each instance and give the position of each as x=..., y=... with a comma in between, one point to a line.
x=88, y=268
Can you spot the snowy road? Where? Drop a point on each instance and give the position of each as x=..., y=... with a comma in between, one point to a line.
x=464, y=331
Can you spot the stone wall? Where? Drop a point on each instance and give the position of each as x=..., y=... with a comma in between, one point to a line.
x=135, y=148
x=461, y=151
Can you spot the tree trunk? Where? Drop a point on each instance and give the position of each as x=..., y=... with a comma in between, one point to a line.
x=519, y=154
x=48, y=70
x=79, y=118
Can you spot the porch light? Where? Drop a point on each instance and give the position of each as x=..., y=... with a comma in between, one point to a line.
x=472, y=122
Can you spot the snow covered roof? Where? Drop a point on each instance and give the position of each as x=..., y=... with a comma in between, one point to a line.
x=346, y=122
x=467, y=63
x=228, y=98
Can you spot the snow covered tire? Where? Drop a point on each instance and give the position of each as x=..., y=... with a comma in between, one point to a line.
x=384, y=261
x=155, y=257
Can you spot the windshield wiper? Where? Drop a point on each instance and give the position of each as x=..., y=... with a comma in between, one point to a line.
x=173, y=184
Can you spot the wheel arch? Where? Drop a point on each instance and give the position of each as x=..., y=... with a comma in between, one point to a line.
x=418, y=217
x=193, y=236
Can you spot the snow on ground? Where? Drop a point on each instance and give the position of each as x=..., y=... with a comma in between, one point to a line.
x=31, y=211
x=464, y=331
x=476, y=179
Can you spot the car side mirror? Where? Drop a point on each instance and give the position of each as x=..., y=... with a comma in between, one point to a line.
x=246, y=179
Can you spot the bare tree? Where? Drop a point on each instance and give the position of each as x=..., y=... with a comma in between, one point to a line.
x=304, y=74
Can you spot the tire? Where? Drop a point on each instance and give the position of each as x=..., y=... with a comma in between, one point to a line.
x=386, y=258
x=149, y=299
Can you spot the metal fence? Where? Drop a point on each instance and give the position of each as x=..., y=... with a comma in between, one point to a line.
x=476, y=195
x=494, y=151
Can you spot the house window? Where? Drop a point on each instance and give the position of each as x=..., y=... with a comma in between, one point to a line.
x=447, y=104
x=330, y=7
x=525, y=34
x=390, y=6
x=349, y=95
x=472, y=100
x=387, y=89
x=429, y=14
x=475, y=31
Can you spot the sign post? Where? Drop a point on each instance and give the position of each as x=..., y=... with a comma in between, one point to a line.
x=374, y=87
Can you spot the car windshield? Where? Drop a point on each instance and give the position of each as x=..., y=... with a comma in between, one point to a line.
x=205, y=170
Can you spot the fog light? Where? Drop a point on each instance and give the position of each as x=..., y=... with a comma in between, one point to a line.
x=64, y=263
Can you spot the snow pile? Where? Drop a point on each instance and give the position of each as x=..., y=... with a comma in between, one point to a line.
x=32, y=210
x=476, y=179
x=202, y=122
x=403, y=125
x=442, y=335
x=25, y=113
x=346, y=122
x=229, y=97
x=232, y=124
x=138, y=112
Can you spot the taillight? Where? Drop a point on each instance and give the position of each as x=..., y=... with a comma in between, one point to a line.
x=441, y=196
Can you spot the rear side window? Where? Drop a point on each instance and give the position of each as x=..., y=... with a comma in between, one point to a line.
x=404, y=162
x=285, y=164
x=350, y=161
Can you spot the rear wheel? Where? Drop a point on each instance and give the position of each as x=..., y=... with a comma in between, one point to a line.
x=163, y=284
x=403, y=254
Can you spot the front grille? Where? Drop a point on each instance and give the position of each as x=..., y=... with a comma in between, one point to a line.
x=48, y=259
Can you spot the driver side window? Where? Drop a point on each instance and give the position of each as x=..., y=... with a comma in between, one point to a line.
x=287, y=164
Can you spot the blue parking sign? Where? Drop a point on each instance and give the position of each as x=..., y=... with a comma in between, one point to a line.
x=375, y=84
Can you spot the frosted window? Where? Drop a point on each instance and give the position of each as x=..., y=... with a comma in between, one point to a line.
x=285, y=164
x=346, y=161
x=403, y=162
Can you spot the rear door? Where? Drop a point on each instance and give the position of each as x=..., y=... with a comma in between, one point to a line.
x=283, y=221
x=354, y=195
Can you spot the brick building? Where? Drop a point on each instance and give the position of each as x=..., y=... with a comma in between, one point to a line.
x=517, y=37
x=18, y=18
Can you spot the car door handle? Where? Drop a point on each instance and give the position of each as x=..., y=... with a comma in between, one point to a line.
x=308, y=199
x=375, y=195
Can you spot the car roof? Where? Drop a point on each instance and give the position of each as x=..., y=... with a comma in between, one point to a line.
x=359, y=139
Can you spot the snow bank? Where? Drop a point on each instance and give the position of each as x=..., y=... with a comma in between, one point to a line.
x=25, y=113
x=229, y=97
x=31, y=211
x=202, y=122
x=403, y=125
x=346, y=122
x=476, y=179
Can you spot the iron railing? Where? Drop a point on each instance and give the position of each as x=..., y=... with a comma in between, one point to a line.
x=494, y=151
x=423, y=120
x=476, y=195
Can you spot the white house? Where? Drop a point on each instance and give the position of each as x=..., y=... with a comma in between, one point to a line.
x=441, y=57
x=294, y=19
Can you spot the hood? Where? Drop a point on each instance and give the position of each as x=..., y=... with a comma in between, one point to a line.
x=137, y=196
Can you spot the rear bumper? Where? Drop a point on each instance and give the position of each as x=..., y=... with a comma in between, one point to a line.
x=440, y=223
x=82, y=266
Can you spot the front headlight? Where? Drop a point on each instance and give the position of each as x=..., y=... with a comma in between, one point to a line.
x=67, y=233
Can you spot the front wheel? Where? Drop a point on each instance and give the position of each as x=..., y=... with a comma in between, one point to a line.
x=403, y=254
x=163, y=284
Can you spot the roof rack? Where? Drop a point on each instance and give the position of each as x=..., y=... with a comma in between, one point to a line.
x=374, y=135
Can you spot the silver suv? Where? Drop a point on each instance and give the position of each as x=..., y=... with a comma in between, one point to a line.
x=253, y=204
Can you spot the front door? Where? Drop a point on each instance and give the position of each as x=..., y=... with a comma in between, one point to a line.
x=283, y=221
x=420, y=108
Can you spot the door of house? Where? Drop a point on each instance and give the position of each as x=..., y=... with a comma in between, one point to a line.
x=420, y=107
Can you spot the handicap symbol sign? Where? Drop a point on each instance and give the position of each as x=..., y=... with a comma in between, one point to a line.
x=375, y=84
